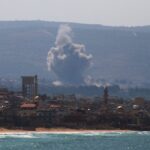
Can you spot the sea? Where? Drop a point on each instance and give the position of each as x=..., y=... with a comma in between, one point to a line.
x=130, y=140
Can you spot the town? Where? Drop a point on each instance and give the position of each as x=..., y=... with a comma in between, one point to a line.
x=28, y=110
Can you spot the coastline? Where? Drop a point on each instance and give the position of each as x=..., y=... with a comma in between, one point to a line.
x=59, y=131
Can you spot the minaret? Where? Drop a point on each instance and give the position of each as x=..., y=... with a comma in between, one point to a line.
x=105, y=96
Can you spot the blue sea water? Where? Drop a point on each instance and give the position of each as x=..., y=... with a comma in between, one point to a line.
x=87, y=141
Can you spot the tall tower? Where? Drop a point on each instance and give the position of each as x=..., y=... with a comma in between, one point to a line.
x=30, y=86
x=105, y=96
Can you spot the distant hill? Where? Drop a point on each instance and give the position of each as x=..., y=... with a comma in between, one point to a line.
x=120, y=54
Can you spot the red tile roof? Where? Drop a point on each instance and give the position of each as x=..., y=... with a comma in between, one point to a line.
x=28, y=106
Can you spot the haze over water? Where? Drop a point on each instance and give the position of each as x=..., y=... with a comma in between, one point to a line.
x=87, y=141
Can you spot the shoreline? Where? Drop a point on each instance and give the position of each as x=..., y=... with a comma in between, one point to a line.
x=59, y=131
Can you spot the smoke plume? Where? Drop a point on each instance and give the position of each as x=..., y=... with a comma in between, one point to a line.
x=68, y=60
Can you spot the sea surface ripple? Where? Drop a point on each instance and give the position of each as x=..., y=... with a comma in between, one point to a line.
x=130, y=140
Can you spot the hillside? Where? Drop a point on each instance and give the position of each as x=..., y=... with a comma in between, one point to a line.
x=120, y=54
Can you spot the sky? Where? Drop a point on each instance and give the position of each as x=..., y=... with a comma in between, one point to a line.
x=105, y=12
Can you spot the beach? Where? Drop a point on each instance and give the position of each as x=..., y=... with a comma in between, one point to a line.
x=57, y=131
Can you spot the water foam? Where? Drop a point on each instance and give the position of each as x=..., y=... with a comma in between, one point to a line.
x=17, y=135
x=77, y=133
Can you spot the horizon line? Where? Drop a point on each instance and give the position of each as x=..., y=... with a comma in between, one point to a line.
x=72, y=22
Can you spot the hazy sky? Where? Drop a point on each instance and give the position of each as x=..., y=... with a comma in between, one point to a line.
x=107, y=12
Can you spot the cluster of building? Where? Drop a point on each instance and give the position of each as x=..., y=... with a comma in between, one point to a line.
x=28, y=109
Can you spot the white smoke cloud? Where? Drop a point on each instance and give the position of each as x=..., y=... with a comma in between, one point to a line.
x=91, y=81
x=57, y=83
x=68, y=60
x=63, y=36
